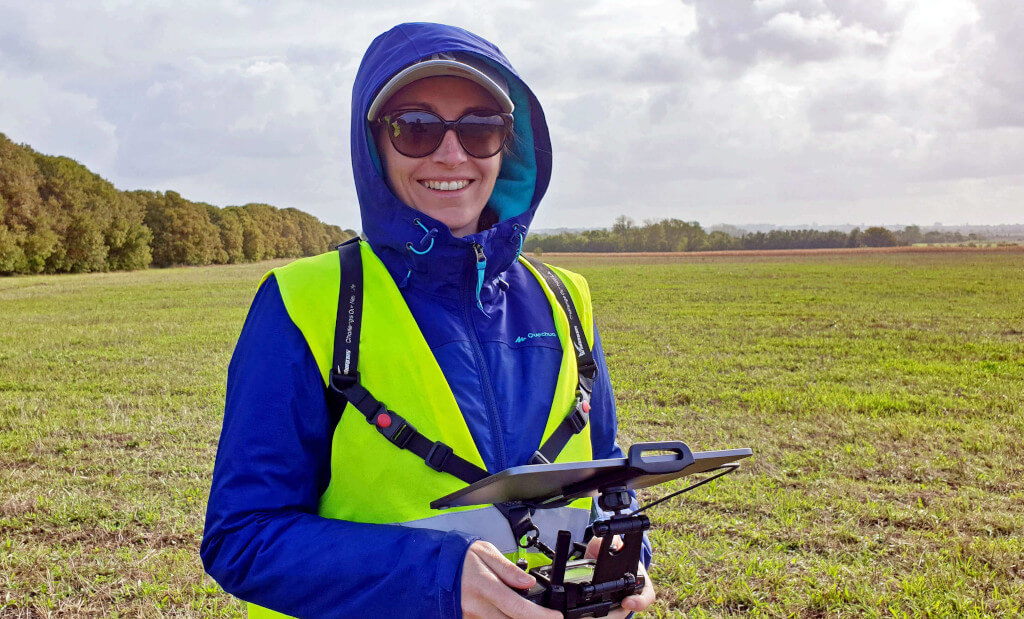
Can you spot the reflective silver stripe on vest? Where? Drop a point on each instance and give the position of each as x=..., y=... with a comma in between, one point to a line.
x=488, y=524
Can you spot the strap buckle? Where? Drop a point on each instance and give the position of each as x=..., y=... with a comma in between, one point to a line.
x=438, y=455
x=587, y=368
x=538, y=458
x=393, y=426
x=576, y=419
x=340, y=382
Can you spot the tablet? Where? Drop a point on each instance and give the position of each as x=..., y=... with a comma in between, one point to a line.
x=546, y=486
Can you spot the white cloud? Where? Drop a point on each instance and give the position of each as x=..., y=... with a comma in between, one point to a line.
x=787, y=111
x=48, y=119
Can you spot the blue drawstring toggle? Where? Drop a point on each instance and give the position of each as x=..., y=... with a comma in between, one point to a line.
x=429, y=235
x=519, y=231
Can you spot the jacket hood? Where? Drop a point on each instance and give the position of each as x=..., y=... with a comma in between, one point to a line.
x=414, y=246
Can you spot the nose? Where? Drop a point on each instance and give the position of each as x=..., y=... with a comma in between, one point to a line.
x=450, y=152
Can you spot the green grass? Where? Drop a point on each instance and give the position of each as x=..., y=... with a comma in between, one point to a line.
x=883, y=395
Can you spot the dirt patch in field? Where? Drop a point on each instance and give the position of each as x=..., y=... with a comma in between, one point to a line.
x=103, y=538
x=18, y=465
x=15, y=508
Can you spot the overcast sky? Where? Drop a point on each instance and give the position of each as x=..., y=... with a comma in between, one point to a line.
x=720, y=111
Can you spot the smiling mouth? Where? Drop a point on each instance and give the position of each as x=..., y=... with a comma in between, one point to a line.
x=446, y=185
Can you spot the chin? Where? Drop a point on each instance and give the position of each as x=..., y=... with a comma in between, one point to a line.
x=455, y=217
x=457, y=223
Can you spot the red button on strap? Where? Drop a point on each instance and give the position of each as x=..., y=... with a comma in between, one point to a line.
x=384, y=420
x=586, y=407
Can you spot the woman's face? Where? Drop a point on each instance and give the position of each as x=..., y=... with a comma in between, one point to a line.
x=416, y=180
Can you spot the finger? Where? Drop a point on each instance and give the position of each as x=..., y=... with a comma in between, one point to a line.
x=514, y=605
x=506, y=571
x=643, y=599
x=594, y=546
x=487, y=612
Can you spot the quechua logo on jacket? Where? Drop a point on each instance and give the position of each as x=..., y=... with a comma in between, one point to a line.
x=521, y=339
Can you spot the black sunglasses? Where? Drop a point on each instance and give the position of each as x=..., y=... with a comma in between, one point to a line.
x=417, y=133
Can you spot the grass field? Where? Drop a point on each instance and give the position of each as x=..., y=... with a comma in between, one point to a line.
x=883, y=395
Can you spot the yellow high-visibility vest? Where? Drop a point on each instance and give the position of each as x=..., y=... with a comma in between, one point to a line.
x=374, y=481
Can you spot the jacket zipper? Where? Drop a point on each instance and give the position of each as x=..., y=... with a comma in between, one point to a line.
x=496, y=429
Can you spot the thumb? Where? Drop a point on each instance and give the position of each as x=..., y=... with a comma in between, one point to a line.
x=506, y=571
x=594, y=546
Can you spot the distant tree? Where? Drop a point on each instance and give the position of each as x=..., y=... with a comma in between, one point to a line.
x=794, y=239
x=720, y=240
x=910, y=235
x=289, y=244
x=651, y=237
x=78, y=203
x=229, y=224
x=182, y=230
x=60, y=217
x=755, y=241
x=598, y=240
x=254, y=243
x=12, y=253
x=26, y=235
x=264, y=228
x=57, y=216
x=943, y=236
x=854, y=239
x=879, y=237
x=678, y=235
x=622, y=225
x=682, y=235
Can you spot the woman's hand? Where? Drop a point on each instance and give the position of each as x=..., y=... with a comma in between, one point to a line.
x=486, y=580
x=633, y=603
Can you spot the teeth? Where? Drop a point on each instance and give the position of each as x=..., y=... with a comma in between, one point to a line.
x=445, y=185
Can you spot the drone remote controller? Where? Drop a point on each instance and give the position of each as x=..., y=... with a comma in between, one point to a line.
x=573, y=584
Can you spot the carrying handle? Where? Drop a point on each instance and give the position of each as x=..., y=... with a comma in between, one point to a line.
x=683, y=457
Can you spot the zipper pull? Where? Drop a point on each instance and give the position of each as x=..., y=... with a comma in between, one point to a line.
x=481, y=264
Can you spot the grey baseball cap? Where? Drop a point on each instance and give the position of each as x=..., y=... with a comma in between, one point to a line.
x=461, y=65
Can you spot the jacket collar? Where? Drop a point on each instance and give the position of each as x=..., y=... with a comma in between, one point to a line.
x=420, y=252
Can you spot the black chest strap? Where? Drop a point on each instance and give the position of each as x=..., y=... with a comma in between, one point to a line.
x=344, y=386
x=577, y=419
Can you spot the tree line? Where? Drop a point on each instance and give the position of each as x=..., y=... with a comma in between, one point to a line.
x=674, y=235
x=56, y=216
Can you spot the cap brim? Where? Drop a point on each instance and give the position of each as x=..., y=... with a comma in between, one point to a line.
x=435, y=68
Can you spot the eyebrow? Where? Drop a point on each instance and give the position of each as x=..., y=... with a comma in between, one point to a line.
x=415, y=105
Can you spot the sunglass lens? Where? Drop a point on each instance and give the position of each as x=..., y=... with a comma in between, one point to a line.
x=482, y=135
x=415, y=134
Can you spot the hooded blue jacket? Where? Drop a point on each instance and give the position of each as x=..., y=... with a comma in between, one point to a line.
x=494, y=341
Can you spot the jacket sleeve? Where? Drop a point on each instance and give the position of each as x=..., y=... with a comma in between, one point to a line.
x=604, y=426
x=264, y=541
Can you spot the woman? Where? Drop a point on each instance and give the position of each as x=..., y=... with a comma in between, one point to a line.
x=312, y=515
